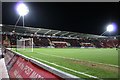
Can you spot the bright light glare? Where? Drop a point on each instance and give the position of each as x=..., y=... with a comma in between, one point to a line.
x=110, y=28
x=1, y=25
x=13, y=31
x=22, y=9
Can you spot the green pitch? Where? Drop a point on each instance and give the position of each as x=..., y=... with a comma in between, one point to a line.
x=84, y=63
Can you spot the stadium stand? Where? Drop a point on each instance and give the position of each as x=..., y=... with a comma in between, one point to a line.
x=10, y=41
x=55, y=38
x=41, y=41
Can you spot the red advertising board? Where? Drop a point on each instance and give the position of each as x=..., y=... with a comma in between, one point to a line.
x=25, y=69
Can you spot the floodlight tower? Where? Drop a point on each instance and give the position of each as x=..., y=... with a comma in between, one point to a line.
x=22, y=10
x=109, y=29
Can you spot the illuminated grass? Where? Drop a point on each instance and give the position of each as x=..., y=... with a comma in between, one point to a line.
x=62, y=57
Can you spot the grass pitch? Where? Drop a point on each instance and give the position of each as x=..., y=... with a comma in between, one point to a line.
x=84, y=63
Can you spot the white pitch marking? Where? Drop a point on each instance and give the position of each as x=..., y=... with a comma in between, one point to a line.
x=77, y=59
x=68, y=68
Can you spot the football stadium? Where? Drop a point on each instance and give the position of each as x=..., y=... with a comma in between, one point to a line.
x=43, y=53
x=82, y=55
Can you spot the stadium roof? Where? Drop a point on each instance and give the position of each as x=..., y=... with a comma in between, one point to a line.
x=8, y=29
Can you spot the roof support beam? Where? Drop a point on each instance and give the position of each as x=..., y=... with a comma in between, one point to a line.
x=57, y=32
x=37, y=31
x=64, y=34
x=71, y=34
x=48, y=32
x=76, y=36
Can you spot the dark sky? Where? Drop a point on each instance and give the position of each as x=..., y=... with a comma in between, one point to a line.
x=80, y=17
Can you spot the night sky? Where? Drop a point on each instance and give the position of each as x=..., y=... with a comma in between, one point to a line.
x=91, y=18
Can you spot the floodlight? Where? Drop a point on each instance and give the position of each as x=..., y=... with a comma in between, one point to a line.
x=22, y=9
x=110, y=28
x=13, y=31
x=1, y=25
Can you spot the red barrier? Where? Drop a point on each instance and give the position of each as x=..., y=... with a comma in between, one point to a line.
x=12, y=61
x=25, y=69
x=8, y=56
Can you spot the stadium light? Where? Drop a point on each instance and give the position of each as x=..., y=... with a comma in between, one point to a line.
x=22, y=9
x=1, y=25
x=13, y=31
x=109, y=28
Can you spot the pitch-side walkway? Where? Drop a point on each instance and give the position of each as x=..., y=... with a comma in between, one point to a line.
x=3, y=69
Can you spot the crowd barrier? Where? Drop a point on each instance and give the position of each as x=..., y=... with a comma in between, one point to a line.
x=20, y=66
